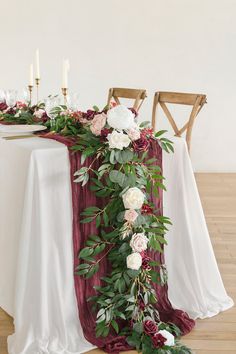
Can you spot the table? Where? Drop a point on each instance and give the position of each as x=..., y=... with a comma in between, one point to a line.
x=36, y=253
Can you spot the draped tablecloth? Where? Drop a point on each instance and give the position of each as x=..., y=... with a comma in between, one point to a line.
x=36, y=253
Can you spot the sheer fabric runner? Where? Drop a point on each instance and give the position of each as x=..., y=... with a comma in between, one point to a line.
x=82, y=197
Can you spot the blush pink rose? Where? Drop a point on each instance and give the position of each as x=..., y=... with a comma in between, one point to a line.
x=130, y=215
x=134, y=134
x=98, y=123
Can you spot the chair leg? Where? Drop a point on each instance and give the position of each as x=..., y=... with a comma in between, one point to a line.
x=109, y=97
x=154, y=110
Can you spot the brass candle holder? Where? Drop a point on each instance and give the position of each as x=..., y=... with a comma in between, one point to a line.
x=65, y=92
x=30, y=87
x=37, y=82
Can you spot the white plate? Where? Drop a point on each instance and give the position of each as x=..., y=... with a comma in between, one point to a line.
x=21, y=129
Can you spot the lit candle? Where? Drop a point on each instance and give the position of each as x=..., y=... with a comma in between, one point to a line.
x=66, y=66
x=31, y=75
x=37, y=65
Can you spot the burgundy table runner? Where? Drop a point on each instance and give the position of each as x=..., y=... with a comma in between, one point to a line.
x=82, y=198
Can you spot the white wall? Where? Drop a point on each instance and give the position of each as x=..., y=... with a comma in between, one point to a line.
x=182, y=45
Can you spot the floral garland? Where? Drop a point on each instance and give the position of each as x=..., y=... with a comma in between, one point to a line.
x=129, y=224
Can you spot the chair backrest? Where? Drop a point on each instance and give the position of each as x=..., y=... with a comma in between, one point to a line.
x=137, y=95
x=197, y=101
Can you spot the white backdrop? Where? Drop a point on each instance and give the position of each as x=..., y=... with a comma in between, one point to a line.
x=184, y=45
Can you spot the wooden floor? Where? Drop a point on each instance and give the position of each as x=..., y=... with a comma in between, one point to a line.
x=217, y=334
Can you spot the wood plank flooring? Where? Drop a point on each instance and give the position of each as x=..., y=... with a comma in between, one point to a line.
x=216, y=335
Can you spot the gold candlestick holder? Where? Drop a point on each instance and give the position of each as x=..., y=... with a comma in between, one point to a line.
x=30, y=87
x=65, y=92
x=37, y=82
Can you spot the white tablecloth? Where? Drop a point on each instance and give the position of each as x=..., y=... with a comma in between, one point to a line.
x=36, y=255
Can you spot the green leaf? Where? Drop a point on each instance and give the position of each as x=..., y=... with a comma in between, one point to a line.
x=124, y=156
x=117, y=177
x=145, y=124
x=98, y=221
x=112, y=157
x=95, y=108
x=100, y=312
x=82, y=266
x=105, y=332
x=86, y=220
x=98, y=249
x=115, y=326
x=154, y=243
x=105, y=218
x=138, y=327
x=160, y=132
x=92, y=209
x=93, y=270
x=155, y=277
x=81, y=272
x=85, y=252
x=101, y=318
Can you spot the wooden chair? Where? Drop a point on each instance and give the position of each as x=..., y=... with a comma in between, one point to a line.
x=190, y=99
x=137, y=95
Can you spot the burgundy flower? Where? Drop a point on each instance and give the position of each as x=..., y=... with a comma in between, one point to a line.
x=89, y=115
x=146, y=263
x=150, y=327
x=134, y=112
x=3, y=106
x=117, y=345
x=147, y=209
x=105, y=132
x=141, y=144
x=11, y=111
x=141, y=305
x=45, y=117
x=158, y=340
x=146, y=133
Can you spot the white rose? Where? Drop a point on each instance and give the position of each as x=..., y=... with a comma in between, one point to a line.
x=134, y=261
x=120, y=117
x=118, y=140
x=133, y=198
x=170, y=339
x=134, y=134
x=139, y=242
x=130, y=215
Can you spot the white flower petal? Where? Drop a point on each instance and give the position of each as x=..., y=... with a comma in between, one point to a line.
x=120, y=117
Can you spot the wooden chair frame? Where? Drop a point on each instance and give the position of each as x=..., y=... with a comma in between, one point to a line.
x=190, y=99
x=138, y=95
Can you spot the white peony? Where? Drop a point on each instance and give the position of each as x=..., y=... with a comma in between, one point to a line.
x=133, y=198
x=170, y=339
x=120, y=117
x=118, y=140
x=134, y=261
x=139, y=242
x=134, y=134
